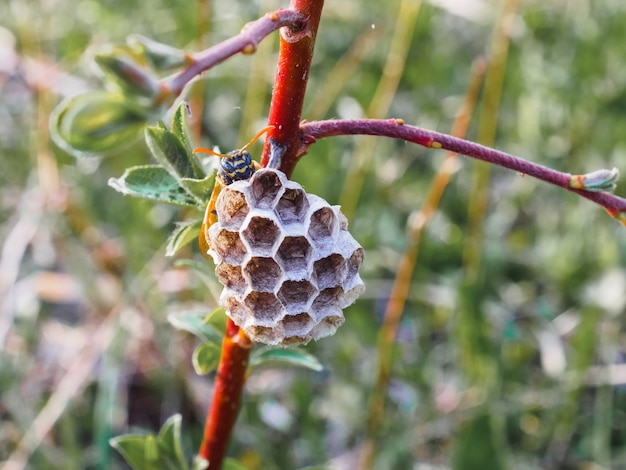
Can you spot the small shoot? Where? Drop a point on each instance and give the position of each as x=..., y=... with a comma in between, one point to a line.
x=600, y=180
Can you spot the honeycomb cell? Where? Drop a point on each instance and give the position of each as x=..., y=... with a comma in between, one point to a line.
x=330, y=271
x=238, y=311
x=262, y=234
x=264, y=334
x=292, y=207
x=295, y=340
x=352, y=292
x=232, y=208
x=228, y=246
x=265, y=186
x=354, y=262
x=323, y=223
x=266, y=308
x=231, y=277
x=328, y=325
x=296, y=295
x=294, y=254
x=297, y=325
x=262, y=274
x=325, y=300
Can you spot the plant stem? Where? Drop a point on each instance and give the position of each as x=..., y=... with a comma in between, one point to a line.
x=296, y=51
x=292, y=73
x=395, y=128
x=231, y=377
x=245, y=42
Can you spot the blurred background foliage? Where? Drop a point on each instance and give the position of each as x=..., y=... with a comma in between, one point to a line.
x=510, y=351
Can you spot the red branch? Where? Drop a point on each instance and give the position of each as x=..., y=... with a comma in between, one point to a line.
x=395, y=128
x=292, y=73
x=245, y=42
x=231, y=376
x=296, y=51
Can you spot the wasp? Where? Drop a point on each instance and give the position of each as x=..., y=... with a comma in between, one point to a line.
x=236, y=165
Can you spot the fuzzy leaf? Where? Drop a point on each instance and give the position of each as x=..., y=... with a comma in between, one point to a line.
x=97, y=124
x=206, y=357
x=152, y=182
x=197, y=324
x=161, y=56
x=133, y=449
x=217, y=319
x=184, y=233
x=282, y=357
x=127, y=73
x=170, y=441
x=200, y=188
x=202, y=268
x=180, y=125
x=169, y=151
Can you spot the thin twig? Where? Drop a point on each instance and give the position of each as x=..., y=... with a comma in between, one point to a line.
x=395, y=128
x=245, y=42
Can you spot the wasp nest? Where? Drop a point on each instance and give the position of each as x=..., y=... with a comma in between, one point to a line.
x=286, y=259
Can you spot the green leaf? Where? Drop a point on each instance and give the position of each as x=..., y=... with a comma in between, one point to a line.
x=183, y=234
x=282, y=357
x=133, y=449
x=161, y=56
x=148, y=452
x=127, y=73
x=151, y=449
x=200, y=188
x=180, y=125
x=170, y=152
x=217, y=319
x=197, y=324
x=97, y=124
x=170, y=441
x=206, y=357
x=155, y=183
x=205, y=270
x=233, y=464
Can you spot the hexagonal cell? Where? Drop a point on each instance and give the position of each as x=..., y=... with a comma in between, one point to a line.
x=325, y=300
x=296, y=295
x=264, y=334
x=298, y=324
x=263, y=274
x=228, y=245
x=265, y=186
x=231, y=208
x=262, y=234
x=292, y=206
x=293, y=255
x=295, y=340
x=354, y=262
x=351, y=292
x=231, y=277
x=236, y=310
x=328, y=325
x=330, y=271
x=323, y=223
x=266, y=308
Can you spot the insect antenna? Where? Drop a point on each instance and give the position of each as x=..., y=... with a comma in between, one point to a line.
x=237, y=152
